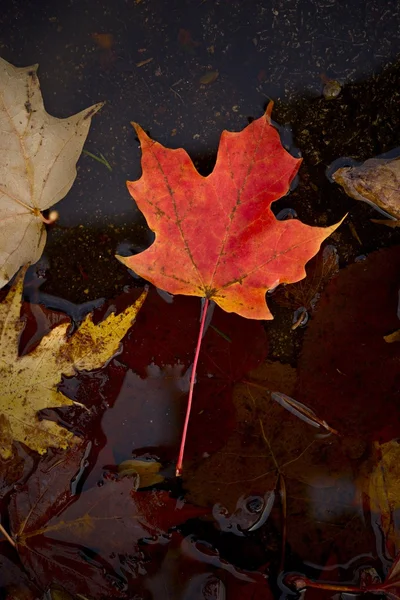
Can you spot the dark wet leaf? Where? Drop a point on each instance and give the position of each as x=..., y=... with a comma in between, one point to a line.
x=236, y=471
x=347, y=371
x=82, y=542
x=14, y=578
x=283, y=467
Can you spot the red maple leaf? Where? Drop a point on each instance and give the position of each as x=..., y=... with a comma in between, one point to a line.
x=216, y=236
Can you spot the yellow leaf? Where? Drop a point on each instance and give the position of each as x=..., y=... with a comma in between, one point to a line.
x=38, y=156
x=29, y=383
x=382, y=485
x=147, y=472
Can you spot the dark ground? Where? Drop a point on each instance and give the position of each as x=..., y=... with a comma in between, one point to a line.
x=91, y=51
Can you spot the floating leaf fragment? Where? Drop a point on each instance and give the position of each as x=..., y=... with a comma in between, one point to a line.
x=209, y=77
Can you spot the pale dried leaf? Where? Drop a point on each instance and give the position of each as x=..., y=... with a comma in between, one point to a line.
x=377, y=182
x=29, y=383
x=38, y=156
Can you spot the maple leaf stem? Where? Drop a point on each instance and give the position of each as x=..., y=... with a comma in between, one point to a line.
x=53, y=216
x=7, y=536
x=178, y=471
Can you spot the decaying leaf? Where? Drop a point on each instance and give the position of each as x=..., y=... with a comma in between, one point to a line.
x=216, y=236
x=29, y=383
x=376, y=181
x=37, y=166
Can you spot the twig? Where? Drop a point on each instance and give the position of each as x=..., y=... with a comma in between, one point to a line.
x=283, y=498
x=192, y=380
x=177, y=94
x=7, y=536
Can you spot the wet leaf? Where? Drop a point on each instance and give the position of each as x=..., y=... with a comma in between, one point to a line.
x=376, y=181
x=29, y=383
x=148, y=472
x=38, y=165
x=88, y=543
x=247, y=250
x=14, y=578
